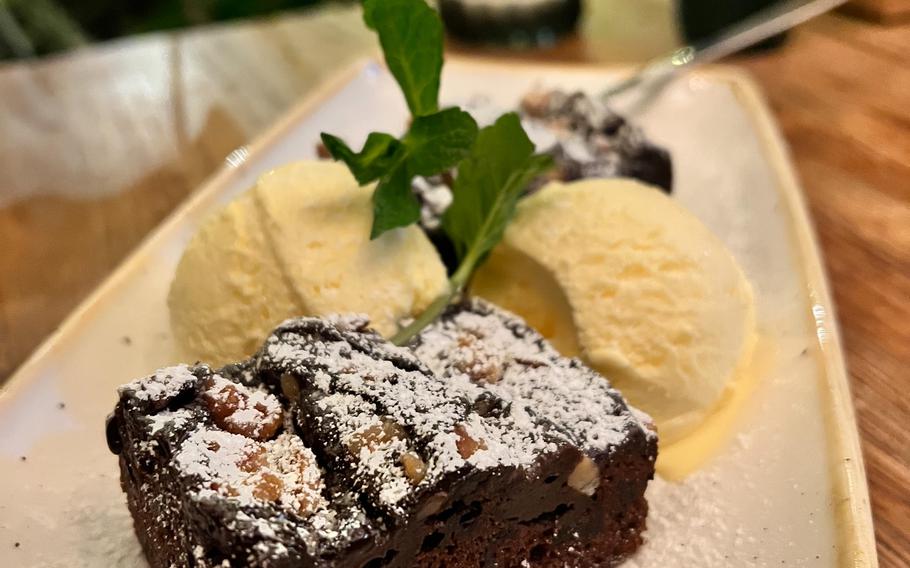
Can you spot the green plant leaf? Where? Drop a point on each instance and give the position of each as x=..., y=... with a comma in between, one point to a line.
x=439, y=141
x=433, y=144
x=489, y=182
x=410, y=33
x=394, y=204
x=379, y=154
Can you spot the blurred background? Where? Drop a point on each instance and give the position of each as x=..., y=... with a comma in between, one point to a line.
x=37, y=27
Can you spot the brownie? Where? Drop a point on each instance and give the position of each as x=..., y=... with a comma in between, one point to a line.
x=585, y=137
x=332, y=447
x=588, y=139
x=493, y=353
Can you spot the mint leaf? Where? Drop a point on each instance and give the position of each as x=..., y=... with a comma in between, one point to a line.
x=439, y=141
x=411, y=36
x=379, y=154
x=433, y=144
x=394, y=204
x=489, y=182
x=410, y=33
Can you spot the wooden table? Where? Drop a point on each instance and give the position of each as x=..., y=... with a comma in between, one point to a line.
x=97, y=146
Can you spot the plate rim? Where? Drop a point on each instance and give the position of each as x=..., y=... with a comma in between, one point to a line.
x=850, y=493
x=852, y=507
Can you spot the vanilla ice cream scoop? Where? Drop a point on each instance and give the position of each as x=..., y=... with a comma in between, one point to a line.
x=621, y=274
x=298, y=243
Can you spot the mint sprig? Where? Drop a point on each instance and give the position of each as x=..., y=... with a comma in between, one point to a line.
x=437, y=142
x=410, y=33
x=433, y=144
x=494, y=165
x=490, y=180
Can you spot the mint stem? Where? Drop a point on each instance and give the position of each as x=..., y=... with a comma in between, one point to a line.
x=457, y=283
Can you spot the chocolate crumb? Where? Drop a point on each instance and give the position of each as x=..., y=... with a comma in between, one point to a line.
x=22, y=458
x=17, y=545
x=61, y=405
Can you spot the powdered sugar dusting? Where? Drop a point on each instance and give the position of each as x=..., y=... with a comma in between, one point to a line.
x=245, y=410
x=587, y=138
x=388, y=428
x=251, y=473
x=435, y=196
x=163, y=384
x=175, y=418
x=362, y=384
x=483, y=344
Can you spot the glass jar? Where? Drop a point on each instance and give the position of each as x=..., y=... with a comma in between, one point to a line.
x=517, y=23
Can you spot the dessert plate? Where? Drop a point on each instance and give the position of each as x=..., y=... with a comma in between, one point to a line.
x=783, y=483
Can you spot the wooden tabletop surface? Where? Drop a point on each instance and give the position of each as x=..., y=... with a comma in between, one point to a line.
x=97, y=146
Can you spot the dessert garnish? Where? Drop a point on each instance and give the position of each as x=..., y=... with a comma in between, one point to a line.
x=494, y=164
x=486, y=192
x=585, y=137
x=411, y=36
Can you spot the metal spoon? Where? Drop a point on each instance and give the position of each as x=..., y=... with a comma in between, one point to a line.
x=757, y=27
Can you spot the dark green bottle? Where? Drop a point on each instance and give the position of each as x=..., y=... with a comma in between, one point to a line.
x=518, y=23
x=703, y=19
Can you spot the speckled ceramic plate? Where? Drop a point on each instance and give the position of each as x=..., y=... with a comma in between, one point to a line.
x=785, y=486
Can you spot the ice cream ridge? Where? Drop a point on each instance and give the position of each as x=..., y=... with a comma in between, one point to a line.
x=298, y=243
x=625, y=277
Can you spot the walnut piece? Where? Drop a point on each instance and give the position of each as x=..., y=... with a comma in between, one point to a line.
x=414, y=467
x=297, y=464
x=374, y=436
x=585, y=478
x=476, y=361
x=254, y=461
x=290, y=387
x=278, y=471
x=267, y=486
x=240, y=410
x=467, y=446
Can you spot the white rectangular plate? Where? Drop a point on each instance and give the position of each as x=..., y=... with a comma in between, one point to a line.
x=787, y=489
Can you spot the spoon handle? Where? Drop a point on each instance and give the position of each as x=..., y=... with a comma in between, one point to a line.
x=757, y=27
